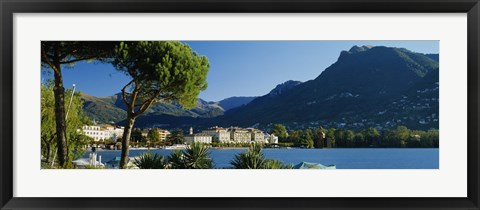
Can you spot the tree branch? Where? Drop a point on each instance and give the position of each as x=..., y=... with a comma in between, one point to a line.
x=136, y=89
x=124, y=96
x=78, y=59
x=146, y=104
x=46, y=60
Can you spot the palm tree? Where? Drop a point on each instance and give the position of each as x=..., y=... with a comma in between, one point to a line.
x=149, y=161
x=276, y=164
x=255, y=159
x=176, y=160
x=252, y=159
x=196, y=156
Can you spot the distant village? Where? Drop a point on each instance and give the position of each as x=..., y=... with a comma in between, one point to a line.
x=109, y=133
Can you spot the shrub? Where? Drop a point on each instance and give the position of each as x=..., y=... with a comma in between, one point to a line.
x=150, y=161
x=255, y=159
x=196, y=156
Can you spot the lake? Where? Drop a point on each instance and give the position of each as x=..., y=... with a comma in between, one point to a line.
x=343, y=158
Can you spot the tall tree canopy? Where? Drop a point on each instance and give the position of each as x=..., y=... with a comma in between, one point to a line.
x=160, y=71
x=176, y=137
x=153, y=136
x=56, y=54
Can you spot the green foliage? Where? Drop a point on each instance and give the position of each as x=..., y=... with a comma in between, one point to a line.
x=137, y=135
x=75, y=120
x=45, y=165
x=93, y=167
x=48, y=145
x=160, y=71
x=370, y=137
x=285, y=144
x=163, y=70
x=295, y=137
x=276, y=164
x=398, y=137
x=196, y=156
x=252, y=159
x=255, y=159
x=176, y=160
x=153, y=136
x=280, y=131
x=176, y=136
x=71, y=52
x=307, y=139
x=319, y=137
x=330, y=134
x=58, y=54
x=150, y=161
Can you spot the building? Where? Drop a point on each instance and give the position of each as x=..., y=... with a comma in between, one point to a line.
x=218, y=134
x=240, y=135
x=163, y=134
x=114, y=133
x=235, y=135
x=102, y=133
x=271, y=138
x=198, y=138
x=257, y=135
x=95, y=132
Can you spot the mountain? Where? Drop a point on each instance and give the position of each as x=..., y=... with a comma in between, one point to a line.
x=103, y=109
x=284, y=87
x=352, y=92
x=233, y=102
x=112, y=109
x=368, y=86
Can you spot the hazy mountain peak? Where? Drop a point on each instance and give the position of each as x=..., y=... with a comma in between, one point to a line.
x=356, y=49
x=281, y=88
x=236, y=101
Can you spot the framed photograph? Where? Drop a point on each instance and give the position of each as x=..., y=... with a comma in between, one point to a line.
x=239, y=105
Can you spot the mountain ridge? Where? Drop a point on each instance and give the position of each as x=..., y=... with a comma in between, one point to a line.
x=368, y=86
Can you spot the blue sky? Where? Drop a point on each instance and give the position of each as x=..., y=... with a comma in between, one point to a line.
x=240, y=68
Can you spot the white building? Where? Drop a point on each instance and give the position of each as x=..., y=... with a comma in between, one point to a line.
x=257, y=135
x=218, y=134
x=198, y=138
x=101, y=133
x=271, y=138
x=94, y=132
x=240, y=135
x=114, y=133
x=235, y=135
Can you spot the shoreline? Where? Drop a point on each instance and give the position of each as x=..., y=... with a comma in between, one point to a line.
x=283, y=148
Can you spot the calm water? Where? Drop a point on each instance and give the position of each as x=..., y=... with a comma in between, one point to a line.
x=364, y=158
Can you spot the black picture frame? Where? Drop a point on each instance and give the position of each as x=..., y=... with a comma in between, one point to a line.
x=10, y=7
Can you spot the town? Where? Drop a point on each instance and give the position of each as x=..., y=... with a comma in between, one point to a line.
x=109, y=136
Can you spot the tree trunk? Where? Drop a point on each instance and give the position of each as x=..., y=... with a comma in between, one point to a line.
x=49, y=152
x=126, y=141
x=59, y=93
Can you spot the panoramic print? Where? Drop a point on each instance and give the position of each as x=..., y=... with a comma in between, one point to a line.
x=325, y=105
